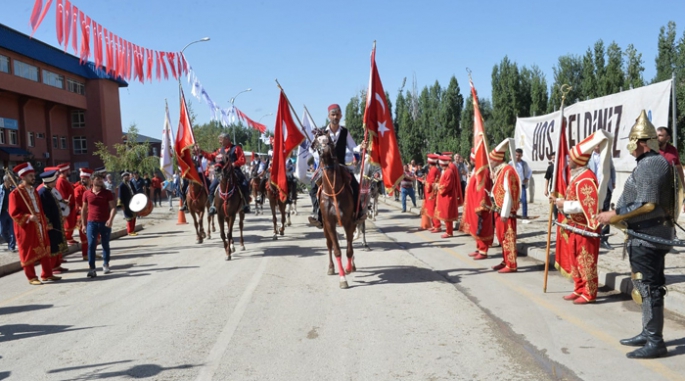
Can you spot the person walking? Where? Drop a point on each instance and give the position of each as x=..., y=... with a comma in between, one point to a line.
x=407, y=186
x=126, y=193
x=156, y=184
x=53, y=213
x=6, y=224
x=524, y=172
x=99, y=209
x=169, y=187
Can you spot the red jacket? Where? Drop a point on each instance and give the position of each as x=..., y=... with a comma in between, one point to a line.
x=240, y=155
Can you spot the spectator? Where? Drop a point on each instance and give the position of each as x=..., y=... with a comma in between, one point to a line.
x=147, y=185
x=524, y=172
x=99, y=209
x=6, y=223
x=137, y=183
x=156, y=184
x=407, y=187
x=169, y=187
x=463, y=171
x=109, y=183
x=549, y=175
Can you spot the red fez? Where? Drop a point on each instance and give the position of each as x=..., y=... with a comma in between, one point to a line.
x=334, y=106
x=445, y=159
x=47, y=169
x=85, y=172
x=23, y=169
x=64, y=167
x=447, y=154
x=432, y=158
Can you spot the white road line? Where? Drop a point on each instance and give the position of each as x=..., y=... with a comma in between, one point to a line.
x=213, y=360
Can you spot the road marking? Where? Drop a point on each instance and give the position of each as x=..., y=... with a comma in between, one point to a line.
x=657, y=367
x=213, y=360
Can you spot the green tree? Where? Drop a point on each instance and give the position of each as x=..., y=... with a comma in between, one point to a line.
x=412, y=141
x=600, y=62
x=506, y=86
x=614, y=79
x=450, y=115
x=588, y=85
x=538, y=92
x=466, y=138
x=524, y=98
x=667, y=53
x=634, y=68
x=354, y=116
x=567, y=71
x=129, y=155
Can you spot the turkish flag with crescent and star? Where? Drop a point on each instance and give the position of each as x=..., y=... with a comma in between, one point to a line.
x=384, y=151
x=286, y=138
x=185, y=140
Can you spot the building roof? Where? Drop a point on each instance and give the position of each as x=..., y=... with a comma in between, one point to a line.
x=143, y=139
x=20, y=43
x=15, y=151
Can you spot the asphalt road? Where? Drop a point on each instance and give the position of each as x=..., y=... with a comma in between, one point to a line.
x=417, y=309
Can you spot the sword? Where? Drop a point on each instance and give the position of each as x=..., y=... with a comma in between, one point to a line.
x=581, y=231
x=496, y=209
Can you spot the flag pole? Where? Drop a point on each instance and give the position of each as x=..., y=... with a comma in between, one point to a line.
x=564, y=90
x=310, y=116
x=365, y=142
x=293, y=111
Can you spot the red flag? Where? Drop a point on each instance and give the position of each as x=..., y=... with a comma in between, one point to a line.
x=378, y=122
x=121, y=70
x=185, y=140
x=108, y=52
x=141, y=64
x=179, y=64
x=149, y=64
x=74, y=28
x=38, y=14
x=97, y=46
x=129, y=60
x=257, y=126
x=161, y=59
x=286, y=137
x=66, y=24
x=85, y=37
x=172, y=65
x=158, y=66
x=185, y=63
x=561, y=168
x=478, y=125
x=59, y=22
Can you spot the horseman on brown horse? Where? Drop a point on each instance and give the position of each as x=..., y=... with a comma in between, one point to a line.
x=337, y=192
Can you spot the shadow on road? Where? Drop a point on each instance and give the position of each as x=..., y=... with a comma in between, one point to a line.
x=136, y=371
x=395, y=275
x=4, y=375
x=298, y=251
x=11, y=332
x=26, y=308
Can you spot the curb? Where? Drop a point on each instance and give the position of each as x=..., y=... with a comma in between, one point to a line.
x=615, y=281
x=14, y=267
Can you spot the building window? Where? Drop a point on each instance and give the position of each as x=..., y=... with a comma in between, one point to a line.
x=2, y=136
x=13, y=137
x=53, y=79
x=25, y=70
x=40, y=135
x=80, y=145
x=4, y=64
x=78, y=119
x=63, y=142
x=31, y=139
x=76, y=87
x=55, y=141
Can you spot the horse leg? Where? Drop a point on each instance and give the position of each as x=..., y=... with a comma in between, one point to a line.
x=350, y=250
x=197, y=230
x=231, y=220
x=329, y=244
x=201, y=217
x=240, y=225
x=338, y=257
x=283, y=213
x=295, y=207
x=364, y=243
x=272, y=205
x=287, y=216
x=210, y=220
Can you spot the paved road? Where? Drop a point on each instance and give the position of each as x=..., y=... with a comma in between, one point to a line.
x=418, y=309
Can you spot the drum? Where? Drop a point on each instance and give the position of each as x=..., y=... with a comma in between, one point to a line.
x=138, y=203
x=63, y=205
x=147, y=210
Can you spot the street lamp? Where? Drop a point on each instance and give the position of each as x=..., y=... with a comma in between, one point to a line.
x=184, y=48
x=259, y=142
x=232, y=101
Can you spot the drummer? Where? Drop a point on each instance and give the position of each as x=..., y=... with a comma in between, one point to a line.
x=53, y=212
x=126, y=193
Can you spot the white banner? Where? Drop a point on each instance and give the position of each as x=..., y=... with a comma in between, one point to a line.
x=616, y=113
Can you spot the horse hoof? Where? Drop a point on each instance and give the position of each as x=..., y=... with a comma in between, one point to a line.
x=199, y=241
x=275, y=237
x=232, y=248
x=242, y=248
x=282, y=232
x=330, y=271
x=288, y=224
x=204, y=235
x=344, y=285
x=228, y=257
x=295, y=212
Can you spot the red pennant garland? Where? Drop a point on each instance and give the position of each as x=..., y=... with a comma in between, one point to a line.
x=59, y=22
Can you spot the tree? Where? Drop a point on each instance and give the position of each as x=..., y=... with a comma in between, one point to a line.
x=505, y=92
x=538, y=92
x=567, y=71
x=600, y=62
x=450, y=115
x=354, y=116
x=588, y=85
x=412, y=141
x=614, y=79
x=129, y=155
x=524, y=99
x=466, y=138
x=634, y=68
x=667, y=53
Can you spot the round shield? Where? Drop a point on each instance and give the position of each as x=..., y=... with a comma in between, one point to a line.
x=63, y=205
x=138, y=203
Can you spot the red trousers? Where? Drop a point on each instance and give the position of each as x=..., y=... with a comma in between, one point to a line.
x=70, y=225
x=427, y=221
x=449, y=227
x=482, y=247
x=46, y=265
x=56, y=261
x=131, y=225
x=84, y=243
x=584, y=252
x=506, y=235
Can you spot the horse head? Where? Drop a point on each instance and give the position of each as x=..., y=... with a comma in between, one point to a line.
x=323, y=144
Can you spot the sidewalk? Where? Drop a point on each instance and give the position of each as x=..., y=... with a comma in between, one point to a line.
x=613, y=271
x=9, y=261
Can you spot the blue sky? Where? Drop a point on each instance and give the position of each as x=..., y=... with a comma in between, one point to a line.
x=319, y=50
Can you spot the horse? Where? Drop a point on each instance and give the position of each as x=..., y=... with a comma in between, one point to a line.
x=272, y=195
x=374, y=193
x=292, y=195
x=257, y=195
x=337, y=206
x=228, y=205
x=197, y=202
x=211, y=227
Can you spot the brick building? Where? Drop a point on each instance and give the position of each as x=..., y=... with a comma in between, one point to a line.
x=52, y=108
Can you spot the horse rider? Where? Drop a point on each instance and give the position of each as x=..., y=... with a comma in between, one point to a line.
x=343, y=142
x=202, y=168
x=237, y=156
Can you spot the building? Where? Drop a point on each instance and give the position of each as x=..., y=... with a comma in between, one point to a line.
x=155, y=144
x=52, y=108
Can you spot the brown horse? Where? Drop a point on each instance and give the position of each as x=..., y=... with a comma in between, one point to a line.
x=257, y=195
x=274, y=201
x=211, y=227
x=229, y=204
x=197, y=202
x=337, y=207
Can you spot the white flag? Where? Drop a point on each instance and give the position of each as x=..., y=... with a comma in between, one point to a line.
x=265, y=139
x=303, y=153
x=165, y=160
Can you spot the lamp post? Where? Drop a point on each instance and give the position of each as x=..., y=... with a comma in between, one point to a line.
x=184, y=48
x=232, y=101
x=259, y=142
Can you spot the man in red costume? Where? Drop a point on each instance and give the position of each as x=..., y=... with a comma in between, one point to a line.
x=459, y=198
x=79, y=189
x=30, y=226
x=477, y=215
x=430, y=185
x=582, y=205
x=235, y=153
x=447, y=209
x=506, y=193
x=67, y=191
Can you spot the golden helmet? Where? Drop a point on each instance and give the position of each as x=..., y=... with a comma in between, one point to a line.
x=643, y=129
